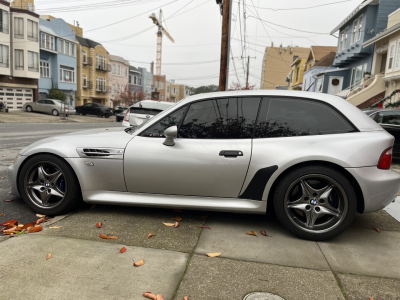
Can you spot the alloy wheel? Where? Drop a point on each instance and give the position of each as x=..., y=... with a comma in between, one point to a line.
x=316, y=203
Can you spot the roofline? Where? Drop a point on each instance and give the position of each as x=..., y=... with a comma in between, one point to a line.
x=385, y=34
x=56, y=35
x=355, y=11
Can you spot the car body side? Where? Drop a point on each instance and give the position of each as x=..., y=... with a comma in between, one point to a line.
x=356, y=154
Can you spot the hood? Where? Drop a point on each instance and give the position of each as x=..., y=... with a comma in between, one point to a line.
x=65, y=145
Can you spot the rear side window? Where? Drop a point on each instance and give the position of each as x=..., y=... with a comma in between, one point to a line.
x=389, y=117
x=283, y=117
x=145, y=111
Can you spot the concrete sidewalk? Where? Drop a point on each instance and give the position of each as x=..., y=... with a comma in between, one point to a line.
x=359, y=264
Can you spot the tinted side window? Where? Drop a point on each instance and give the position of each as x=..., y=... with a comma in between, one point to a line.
x=283, y=117
x=157, y=130
x=389, y=117
x=230, y=118
x=145, y=111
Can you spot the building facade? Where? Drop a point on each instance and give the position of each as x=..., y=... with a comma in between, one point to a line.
x=277, y=64
x=296, y=74
x=118, y=78
x=135, y=79
x=19, y=54
x=147, y=83
x=58, y=66
x=159, y=82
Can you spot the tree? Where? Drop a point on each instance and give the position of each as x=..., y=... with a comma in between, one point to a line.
x=204, y=89
x=237, y=87
x=56, y=94
x=125, y=97
x=139, y=96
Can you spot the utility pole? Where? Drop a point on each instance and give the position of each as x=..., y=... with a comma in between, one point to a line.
x=225, y=43
x=248, y=68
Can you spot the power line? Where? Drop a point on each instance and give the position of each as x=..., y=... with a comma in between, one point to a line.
x=296, y=8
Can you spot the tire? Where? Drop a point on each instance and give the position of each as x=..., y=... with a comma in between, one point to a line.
x=306, y=206
x=83, y=114
x=55, y=112
x=99, y=115
x=53, y=186
x=29, y=108
x=107, y=116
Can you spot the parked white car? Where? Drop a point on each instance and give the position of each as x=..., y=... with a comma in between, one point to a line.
x=143, y=111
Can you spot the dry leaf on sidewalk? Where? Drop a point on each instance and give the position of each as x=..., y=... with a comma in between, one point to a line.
x=103, y=236
x=2, y=214
x=159, y=297
x=55, y=227
x=139, y=263
x=177, y=218
x=6, y=223
x=41, y=220
x=2, y=177
x=98, y=224
x=123, y=249
x=113, y=237
x=4, y=155
x=377, y=229
x=214, y=254
x=251, y=233
x=7, y=200
x=37, y=228
x=169, y=224
x=48, y=256
x=150, y=235
x=150, y=295
x=264, y=233
x=40, y=216
x=176, y=224
x=186, y=298
x=370, y=298
x=205, y=227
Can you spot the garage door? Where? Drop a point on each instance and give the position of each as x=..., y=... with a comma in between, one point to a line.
x=15, y=98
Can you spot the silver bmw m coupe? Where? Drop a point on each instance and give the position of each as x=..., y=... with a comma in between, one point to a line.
x=314, y=159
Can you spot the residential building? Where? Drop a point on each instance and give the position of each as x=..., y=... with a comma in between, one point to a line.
x=277, y=64
x=178, y=91
x=118, y=78
x=188, y=91
x=320, y=58
x=93, y=67
x=19, y=53
x=58, y=68
x=159, y=82
x=147, y=83
x=135, y=79
x=168, y=91
x=352, y=59
x=386, y=65
x=296, y=74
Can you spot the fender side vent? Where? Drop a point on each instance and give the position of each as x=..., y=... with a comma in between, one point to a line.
x=96, y=152
x=108, y=153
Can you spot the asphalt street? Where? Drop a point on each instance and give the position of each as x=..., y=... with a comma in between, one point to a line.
x=14, y=137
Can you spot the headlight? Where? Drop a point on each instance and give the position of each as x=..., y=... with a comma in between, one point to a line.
x=15, y=159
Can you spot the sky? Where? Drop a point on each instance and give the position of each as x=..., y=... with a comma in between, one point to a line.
x=124, y=28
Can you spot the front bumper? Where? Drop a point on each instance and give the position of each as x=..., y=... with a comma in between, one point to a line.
x=379, y=187
x=12, y=174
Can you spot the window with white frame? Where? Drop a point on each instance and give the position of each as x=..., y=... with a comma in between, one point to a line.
x=114, y=69
x=84, y=56
x=397, y=66
x=19, y=59
x=119, y=70
x=391, y=52
x=357, y=27
x=319, y=84
x=343, y=39
x=32, y=31
x=84, y=80
x=101, y=62
x=67, y=48
x=4, y=56
x=4, y=21
x=100, y=84
x=67, y=74
x=19, y=28
x=44, y=69
x=48, y=41
x=33, y=61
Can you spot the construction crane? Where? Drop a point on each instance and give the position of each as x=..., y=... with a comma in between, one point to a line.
x=161, y=31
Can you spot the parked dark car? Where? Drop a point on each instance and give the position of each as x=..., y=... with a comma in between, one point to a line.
x=120, y=116
x=96, y=109
x=389, y=119
x=119, y=109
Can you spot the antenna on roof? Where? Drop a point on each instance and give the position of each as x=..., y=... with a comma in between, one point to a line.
x=77, y=24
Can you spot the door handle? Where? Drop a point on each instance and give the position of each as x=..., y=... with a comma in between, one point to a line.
x=231, y=153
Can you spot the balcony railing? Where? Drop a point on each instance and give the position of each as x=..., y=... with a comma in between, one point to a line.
x=102, y=89
x=104, y=67
x=21, y=4
x=88, y=62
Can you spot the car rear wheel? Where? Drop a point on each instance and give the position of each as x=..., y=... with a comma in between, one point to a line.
x=55, y=112
x=48, y=185
x=29, y=108
x=107, y=116
x=315, y=202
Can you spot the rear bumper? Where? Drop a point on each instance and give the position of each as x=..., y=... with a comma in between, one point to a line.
x=379, y=187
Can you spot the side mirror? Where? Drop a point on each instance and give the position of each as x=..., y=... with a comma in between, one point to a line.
x=171, y=133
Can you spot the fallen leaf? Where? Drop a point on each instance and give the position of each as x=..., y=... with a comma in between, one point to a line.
x=55, y=227
x=11, y=230
x=9, y=222
x=214, y=254
x=177, y=210
x=4, y=155
x=150, y=235
x=177, y=218
x=113, y=237
x=264, y=233
x=29, y=228
x=251, y=233
x=205, y=227
x=159, y=297
x=2, y=177
x=41, y=220
x=150, y=295
x=11, y=234
x=169, y=224
x=377, y=229
x=37, y=228
x=8, y=200
x=204, y=217
x=139, y=263
x=103, y=236
x=186, y=298
x=48, y=256
x=370, y=298
x=98, y=224
x=2, y=214
x=40, y=216
x=93, y=206
x=123, y=249
x=176, y=224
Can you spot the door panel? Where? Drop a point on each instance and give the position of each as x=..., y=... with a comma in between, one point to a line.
x=192, y=167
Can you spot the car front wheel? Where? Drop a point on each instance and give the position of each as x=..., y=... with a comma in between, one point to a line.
x=55, y=112
x=48, y=185
x=29, y=108
x=315, y=202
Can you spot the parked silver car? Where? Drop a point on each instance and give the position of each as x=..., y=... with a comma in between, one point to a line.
x=313, y=158
x=49, y=106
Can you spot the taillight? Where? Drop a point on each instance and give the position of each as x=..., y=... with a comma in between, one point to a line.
x=127, y=116
x=66, y=107
x=386, y=159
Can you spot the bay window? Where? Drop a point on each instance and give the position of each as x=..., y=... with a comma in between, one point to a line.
x=391, y=52
x=357, y=27
x=67, y=74
x=4, y=21
x=4, y=56
x=100, y=62
x=19, y=28
x=48, y=42
x=100, y=84
x=33, y=61
x=32, y=31
x=19, y=59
